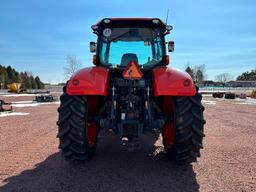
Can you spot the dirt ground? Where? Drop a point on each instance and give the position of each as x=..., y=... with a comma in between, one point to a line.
x=30, y=161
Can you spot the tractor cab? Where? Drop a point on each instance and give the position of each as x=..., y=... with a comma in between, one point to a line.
x=121, y=41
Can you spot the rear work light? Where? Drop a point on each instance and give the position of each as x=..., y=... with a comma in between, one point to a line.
x=106, y=20
x=155, y=21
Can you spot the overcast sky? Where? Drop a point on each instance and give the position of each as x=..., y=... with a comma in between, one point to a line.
x=38, y=35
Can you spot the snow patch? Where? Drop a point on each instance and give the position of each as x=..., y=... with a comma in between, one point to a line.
x=32, y=104
x=18, y=95
x=5, y=114
x=21, y=102
x=207, y=102
x=248, y=101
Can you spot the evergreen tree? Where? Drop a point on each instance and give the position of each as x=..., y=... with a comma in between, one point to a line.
x=190, y=72
x=199, y=77
x=39, y=83
x=247, y=76
x=10, y=75
x=33, y=83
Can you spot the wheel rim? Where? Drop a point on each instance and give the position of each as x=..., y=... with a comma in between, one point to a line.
x=169, y=134
x=91, y=134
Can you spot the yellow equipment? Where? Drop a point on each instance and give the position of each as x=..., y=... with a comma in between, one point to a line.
x=253, y=94
x=14, y=87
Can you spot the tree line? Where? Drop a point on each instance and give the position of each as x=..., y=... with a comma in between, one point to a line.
x=9, y=75
x=198, y=73
x=247, y=76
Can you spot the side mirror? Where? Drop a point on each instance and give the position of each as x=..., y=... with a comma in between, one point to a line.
x=171, y=46
x=92, y=47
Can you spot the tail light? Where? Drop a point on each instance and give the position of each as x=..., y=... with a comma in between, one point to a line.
x=167, y=60
x=94, y=59
x=186, y=83
x=75, y=82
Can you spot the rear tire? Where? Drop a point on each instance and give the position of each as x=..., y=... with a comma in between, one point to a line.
x=189, y=130
x=72, y=123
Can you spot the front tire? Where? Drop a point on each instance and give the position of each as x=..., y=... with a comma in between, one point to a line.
x=73, y=128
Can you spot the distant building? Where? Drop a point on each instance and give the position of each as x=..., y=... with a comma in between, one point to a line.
x=241, y=84
x=210, y=83
x=53, y=88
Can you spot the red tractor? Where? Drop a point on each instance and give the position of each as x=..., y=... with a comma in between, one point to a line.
x=131, y=91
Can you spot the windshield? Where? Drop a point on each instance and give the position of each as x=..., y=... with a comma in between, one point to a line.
x=119, y=46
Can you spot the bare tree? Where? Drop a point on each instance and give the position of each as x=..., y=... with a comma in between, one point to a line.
x=29, y=73
x=223, y=78
x=190, y=72
x=199, y=77
x=199, y=73
x=73, y=64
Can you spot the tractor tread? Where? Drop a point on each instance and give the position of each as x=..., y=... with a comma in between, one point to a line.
x=189, y=131
x=188, y=148
x=185, y=124
x=184, y=139
x=77, y=150
x=63, y=117
x=71, y=131
x=63, y=131
x=183, y=110
x=65, y=144
x=75, y=139
x=66, y=154
x=198, y=131
x=197, y=143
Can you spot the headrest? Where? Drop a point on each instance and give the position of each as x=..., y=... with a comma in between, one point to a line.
x=127, y=58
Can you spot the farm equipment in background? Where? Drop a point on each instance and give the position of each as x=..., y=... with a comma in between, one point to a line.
x=218, y=95
x=253, y=94
x=3, y=105
x=241, y=96
x=230, y=95
x=131, y=91
x=14, y=87
x=44, y=98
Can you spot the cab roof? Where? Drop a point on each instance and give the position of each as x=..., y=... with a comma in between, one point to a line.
x=129, y=22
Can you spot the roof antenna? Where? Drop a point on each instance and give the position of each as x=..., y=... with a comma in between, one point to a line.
x=167, y=17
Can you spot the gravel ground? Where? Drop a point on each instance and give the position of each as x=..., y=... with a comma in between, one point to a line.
x=30, y=160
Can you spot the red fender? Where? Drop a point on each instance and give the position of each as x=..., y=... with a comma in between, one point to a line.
x=172, y=82
x=89, y=81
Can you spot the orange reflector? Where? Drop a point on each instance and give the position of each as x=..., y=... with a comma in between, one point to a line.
x=186, y=83
x=75, y=81
x=132, y=71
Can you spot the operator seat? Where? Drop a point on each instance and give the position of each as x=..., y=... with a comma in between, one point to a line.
x=127, y=58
